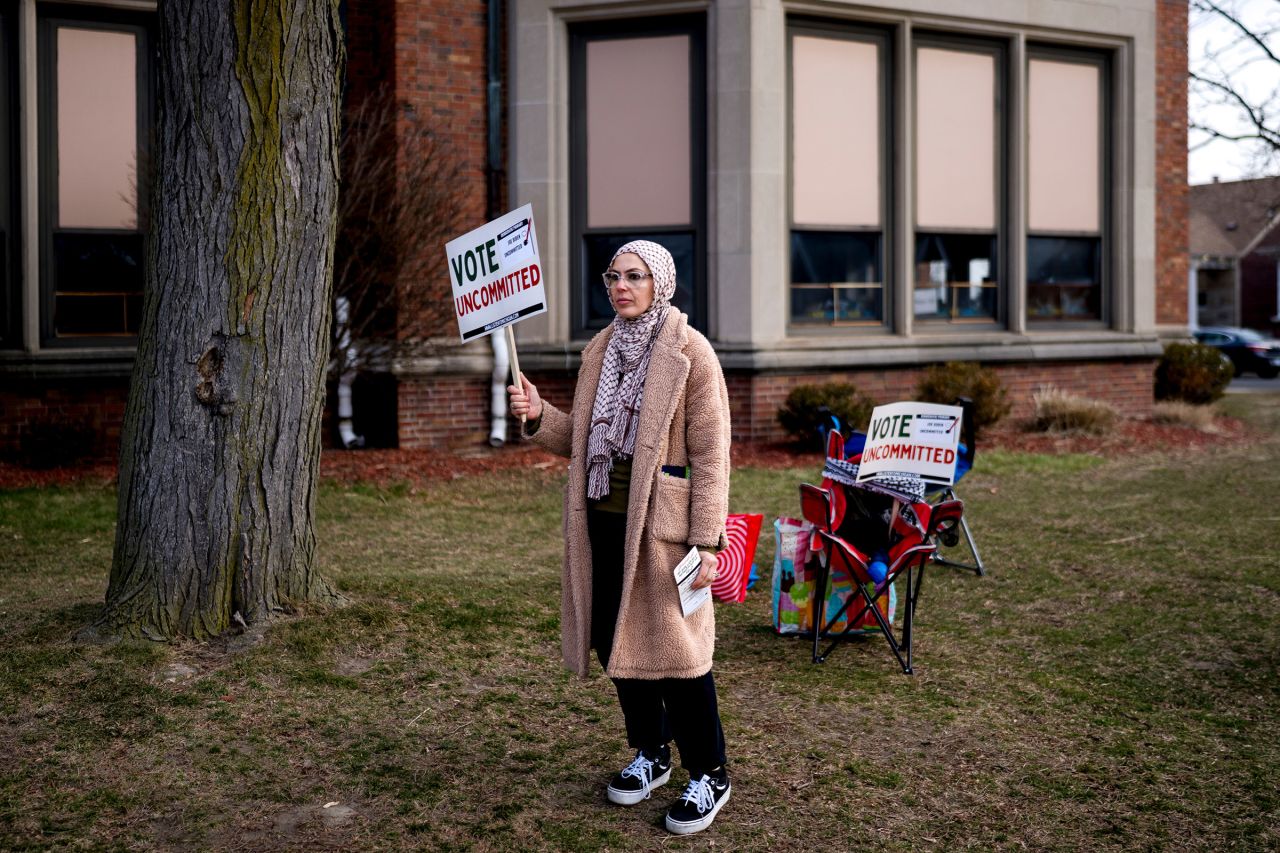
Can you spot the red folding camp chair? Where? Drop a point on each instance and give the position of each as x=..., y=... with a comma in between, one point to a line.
x=853, y=521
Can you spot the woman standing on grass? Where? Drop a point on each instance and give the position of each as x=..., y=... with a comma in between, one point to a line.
x=648, y=437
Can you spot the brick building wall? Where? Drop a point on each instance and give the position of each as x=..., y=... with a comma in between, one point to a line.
x=1172, y=258
x=754, y=400
x=69, y=418
x=1127, y=385
x=430, y=57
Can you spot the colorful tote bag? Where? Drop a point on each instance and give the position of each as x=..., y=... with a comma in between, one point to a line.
x=795, y=573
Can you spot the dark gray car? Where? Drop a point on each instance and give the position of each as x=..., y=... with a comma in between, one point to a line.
x=1249, y=351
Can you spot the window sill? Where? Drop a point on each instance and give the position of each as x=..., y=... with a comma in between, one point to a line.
x=852, y=352
x=87, y=363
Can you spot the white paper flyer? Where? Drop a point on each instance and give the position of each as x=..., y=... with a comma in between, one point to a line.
x=686, y=573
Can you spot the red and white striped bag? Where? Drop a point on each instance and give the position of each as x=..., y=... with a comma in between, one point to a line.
x=734, y=565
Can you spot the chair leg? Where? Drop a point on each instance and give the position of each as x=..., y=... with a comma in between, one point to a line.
x=819, y=604
x=869, y=604
x=908, y=617
x=978, y=568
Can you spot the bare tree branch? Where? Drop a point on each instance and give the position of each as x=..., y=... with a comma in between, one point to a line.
x=1218, y=81
x=401, y=195
x=1256, y=115
x=1217, y=9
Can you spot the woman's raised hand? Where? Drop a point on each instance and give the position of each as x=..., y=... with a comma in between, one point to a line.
x=525, y=401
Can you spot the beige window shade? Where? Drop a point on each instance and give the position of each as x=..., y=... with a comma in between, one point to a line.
x=97, y=128
x=638, y=145
x=1064, y=117
x=955, y=139
x=835, y=98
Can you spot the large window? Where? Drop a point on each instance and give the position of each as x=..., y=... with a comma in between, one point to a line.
x=637, y=154
x=95, y=114
x=951, y=95
x=958, y=164
x=1067, y=137
x=839, y=121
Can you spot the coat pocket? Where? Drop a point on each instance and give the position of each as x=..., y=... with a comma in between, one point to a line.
x=669, y=509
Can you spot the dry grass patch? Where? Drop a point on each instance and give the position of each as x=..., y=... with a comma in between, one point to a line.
x=1202, y=418
x=1059, y=411
x=1110, y=685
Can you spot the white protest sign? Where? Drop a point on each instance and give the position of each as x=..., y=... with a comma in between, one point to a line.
x=496, y=274
x=918, y=438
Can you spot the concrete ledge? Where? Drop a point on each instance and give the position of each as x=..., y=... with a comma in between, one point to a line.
x=817, y=354
x=68, y=364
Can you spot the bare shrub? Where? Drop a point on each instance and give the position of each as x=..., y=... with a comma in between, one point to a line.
x=401, y=198
x=1059, y=411
x=1202, y=418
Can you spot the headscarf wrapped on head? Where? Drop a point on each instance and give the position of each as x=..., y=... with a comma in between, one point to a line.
x=616, y=413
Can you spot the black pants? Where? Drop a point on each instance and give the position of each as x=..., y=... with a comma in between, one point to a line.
x=655, y=710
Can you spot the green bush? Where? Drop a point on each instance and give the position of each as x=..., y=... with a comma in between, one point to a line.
x=1192, y=372
x=802, y=414
x=943, y=383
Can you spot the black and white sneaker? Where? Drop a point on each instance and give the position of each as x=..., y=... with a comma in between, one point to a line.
x=640, y=777
x=698, y=806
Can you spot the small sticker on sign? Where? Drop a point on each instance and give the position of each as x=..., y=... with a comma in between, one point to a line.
x=514, y=244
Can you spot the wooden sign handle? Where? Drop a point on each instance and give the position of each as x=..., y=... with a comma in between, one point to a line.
x=515, y=360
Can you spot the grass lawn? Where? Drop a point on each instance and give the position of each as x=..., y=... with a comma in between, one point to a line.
x=1111, y=684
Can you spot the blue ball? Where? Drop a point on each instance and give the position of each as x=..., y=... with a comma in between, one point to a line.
x=878, y=571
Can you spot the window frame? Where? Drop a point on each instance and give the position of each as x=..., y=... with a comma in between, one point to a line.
x=693, y=25
x=1103, y=60
x=1000, y=50
x=10, y=216
x=883, y=37
x=49, y=18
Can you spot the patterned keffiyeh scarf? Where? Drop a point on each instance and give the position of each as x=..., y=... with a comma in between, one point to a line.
x=616, y=413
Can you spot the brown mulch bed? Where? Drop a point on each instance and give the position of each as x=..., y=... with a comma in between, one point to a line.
x=420, y=466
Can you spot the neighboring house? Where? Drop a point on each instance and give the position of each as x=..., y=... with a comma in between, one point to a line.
x=1235, y=254
x=852, y=191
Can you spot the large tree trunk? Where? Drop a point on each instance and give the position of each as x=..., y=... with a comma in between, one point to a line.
x=220, y=451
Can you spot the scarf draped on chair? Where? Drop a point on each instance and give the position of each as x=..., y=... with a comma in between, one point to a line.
x=616, y=413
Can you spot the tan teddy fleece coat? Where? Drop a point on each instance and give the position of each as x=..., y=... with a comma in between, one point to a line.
x=684, y=420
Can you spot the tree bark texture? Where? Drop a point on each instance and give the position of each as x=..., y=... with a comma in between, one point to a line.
x=221, y=443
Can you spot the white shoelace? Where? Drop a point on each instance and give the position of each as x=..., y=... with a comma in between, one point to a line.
x=700, y=794
x=642, y=769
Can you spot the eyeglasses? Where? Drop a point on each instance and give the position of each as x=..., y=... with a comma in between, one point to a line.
x=632, y=278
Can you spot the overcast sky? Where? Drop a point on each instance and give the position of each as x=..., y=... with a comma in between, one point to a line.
x=1249, y=72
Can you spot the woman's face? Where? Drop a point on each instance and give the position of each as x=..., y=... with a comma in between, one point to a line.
x=631, y=299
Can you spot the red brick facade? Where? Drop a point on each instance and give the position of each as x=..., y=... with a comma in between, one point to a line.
x=754, y=401
x=433, y=58
x=86, y=415
x=1172, y=258
x=444, y=411
x=453, y=411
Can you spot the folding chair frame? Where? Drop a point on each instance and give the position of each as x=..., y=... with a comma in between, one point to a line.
x=949, y=494
x=968, y=432
x=815, y=507
x=910, y=563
